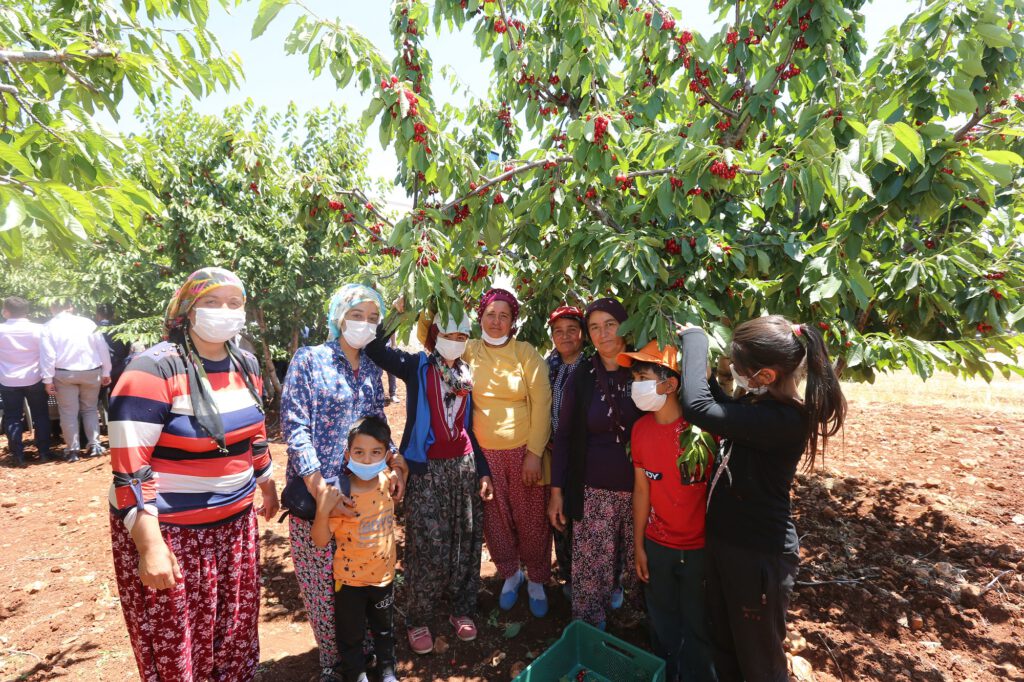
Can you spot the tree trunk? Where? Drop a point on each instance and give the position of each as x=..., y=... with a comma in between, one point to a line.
x=270, y=374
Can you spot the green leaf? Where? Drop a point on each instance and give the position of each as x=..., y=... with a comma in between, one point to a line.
x=376, y=104
x=909, y=138
x=1002, y=156
x=994, y=35
x=700, y=209
x=881, y=140
x=12, y=215
x=12, y=156
x=708, y=304
x=668, y=209
x=268, y=10
x=763, y=262
x=826, y=289
x=961, y=100
x=512, y=629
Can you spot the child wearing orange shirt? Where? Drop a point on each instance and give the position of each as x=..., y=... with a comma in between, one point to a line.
x=363, y=526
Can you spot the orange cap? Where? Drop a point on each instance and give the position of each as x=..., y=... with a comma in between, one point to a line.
x=666, y=357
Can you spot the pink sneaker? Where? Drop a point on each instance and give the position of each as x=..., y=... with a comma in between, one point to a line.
x=464, y=627
x=420, y=640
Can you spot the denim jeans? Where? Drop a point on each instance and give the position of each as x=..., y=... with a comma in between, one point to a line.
x=14, y=398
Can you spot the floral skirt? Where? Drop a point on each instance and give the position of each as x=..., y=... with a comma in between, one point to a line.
x=205, y=627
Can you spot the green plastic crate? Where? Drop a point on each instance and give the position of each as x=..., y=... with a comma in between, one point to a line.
x=604, y=657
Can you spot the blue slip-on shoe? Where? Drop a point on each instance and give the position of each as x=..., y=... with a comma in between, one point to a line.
x=602, y=625
x=510, y=595
x=617, y=598
x=538, y=600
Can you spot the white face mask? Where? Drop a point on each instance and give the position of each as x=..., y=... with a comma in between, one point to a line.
x=448, y=349
x=492, y=341
x=218, y=325
x=744, y=383
x=645, y=395
x=358, y=333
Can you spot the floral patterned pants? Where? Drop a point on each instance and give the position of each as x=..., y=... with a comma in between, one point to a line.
x=515, y=521
x=314, y=569
x=205, y=627
x=602, y=549
x=443, y=539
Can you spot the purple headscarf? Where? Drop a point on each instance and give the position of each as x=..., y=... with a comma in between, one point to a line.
x=492, y=295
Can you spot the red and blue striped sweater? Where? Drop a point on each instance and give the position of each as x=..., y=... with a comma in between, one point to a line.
x=163, y=460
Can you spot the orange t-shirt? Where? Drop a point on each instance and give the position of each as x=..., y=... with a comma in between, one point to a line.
x=366, y=543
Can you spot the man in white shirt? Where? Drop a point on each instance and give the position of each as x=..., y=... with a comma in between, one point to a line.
x=75, y=364
x=21, y=381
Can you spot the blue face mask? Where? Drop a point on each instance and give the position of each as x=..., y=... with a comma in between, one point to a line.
x=367, y=472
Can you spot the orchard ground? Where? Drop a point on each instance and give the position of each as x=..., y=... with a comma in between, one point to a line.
x=912, y=559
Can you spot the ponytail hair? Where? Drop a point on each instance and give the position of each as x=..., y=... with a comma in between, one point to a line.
x=823, y=396
x=775, y=342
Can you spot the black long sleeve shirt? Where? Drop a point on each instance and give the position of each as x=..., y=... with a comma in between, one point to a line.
x=764, y=438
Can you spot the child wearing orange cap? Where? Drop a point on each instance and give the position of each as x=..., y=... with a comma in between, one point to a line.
x=668, y=517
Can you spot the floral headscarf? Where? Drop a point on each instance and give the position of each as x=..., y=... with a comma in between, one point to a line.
x=198, y=284
x=492, y=295
x=204, y=406
x=346, y=298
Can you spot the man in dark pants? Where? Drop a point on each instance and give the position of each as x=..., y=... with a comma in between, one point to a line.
x=20, y=380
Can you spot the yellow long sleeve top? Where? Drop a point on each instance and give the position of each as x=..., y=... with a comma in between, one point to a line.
x=511, y=396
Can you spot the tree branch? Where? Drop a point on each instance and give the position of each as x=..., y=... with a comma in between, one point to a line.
x=80, y=79
x=370, y=206
x=714, y=102
x=602, y=215
x=8, y=180
x=508, y=36
x=9, y=89
x=53, y=56
x=972, y=121
x=28, y=111
x=742, y=73
x=672, y=169
x=505, y=176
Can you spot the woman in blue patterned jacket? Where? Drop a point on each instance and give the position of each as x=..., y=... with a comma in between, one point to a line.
x=328, y=388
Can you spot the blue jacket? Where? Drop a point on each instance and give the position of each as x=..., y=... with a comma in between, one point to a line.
x=412, y=368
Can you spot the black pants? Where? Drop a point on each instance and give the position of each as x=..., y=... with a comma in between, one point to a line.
x=14, y=398
x=747, y=597
x=355, y=610
x=675, y=605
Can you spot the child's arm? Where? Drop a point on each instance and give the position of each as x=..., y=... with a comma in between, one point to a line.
x=327, y=499
x=752, y=423
x=641, y=511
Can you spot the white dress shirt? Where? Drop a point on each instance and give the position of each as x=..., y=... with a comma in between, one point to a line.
x=72, y=342
x=19, y=352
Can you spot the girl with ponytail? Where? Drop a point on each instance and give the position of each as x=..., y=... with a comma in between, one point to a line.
x=752, y=546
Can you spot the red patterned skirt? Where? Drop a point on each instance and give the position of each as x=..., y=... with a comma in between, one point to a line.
x=205, y=627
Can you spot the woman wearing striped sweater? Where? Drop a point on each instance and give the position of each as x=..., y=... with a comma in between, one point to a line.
x=188, y=449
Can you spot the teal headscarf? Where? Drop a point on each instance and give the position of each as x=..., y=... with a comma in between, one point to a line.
x=346, y=298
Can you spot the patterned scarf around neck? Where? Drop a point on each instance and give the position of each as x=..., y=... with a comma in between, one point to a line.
x=456, y=381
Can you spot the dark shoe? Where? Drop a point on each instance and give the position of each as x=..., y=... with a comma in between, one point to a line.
x=70, y=456
x=95, y=451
